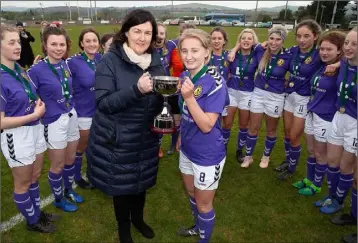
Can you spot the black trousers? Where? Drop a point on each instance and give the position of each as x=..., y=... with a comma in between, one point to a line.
x=129, y=208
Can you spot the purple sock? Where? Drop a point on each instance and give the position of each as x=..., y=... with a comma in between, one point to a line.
x=175, y=137
x=320, y=172
x=354, y=203
x=269, y=145
x=295, y=153
x=344, y=184
x=206, y=225
x=78, y=166
x=226, y=135
x=55, y=181
x=34, y=193
x=332, y=179
x=194, y=211
x=250, y=144
x=241, y=138
x=25, y=206
x=287, y=149
x=68, y=176
x=311, y=163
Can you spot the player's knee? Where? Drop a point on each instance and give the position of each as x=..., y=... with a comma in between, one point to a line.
x=22, y=186
x=311, y=152
x=346, y=167
x=319, y=156
x=58, y=167
x=35, y=176
x=204, y=207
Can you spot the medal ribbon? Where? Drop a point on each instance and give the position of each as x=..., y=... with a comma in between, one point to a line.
x=64, y=82
x=239, y=64
x=89, y=61
x=194, y=80
x=316, y=77
x=212, y=61
x=24, y=82
x=297, y=64
x=344, y=92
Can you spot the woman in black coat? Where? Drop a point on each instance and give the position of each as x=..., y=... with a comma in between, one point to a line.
x=27, y=55
x=122, y=153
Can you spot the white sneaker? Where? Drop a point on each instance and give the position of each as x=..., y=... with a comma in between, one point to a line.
x=247, y=162
x=264, y=162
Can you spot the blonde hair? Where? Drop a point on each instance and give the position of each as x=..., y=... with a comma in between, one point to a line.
x=201, y=35
x=185, y=26
x=282, y=32
x=7, y=28
x=250, y=31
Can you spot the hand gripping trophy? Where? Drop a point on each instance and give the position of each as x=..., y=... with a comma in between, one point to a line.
x=166, y=86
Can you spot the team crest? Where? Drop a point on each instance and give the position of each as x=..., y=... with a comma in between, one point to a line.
x=308, y=60
x=280, y=62
x=67, y=74
x=226, y=64
x=198, y=91
x=165, y=52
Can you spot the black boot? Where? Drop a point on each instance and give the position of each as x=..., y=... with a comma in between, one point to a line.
x=137, y=216
x=122, y=206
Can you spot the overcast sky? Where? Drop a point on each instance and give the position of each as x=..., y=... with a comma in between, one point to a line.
x=233, y=4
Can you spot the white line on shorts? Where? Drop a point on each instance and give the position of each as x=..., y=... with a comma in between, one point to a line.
x=18, y=218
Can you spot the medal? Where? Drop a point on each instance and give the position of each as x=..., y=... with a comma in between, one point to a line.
x=291, y=84
x=241, y=84
x=67, y=104
x=342, y=110
x=266, y=85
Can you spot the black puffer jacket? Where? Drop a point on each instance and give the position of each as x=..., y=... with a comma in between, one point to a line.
x=122, y=151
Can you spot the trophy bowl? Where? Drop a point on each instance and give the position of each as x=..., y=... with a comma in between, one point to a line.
x=166, y=86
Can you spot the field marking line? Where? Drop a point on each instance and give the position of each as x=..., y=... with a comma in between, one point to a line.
x=18, y=218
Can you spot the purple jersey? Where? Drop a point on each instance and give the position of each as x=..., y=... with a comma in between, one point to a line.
x=14, y=100
x=351, y=103
x=50, y=90
x=324, y=90
x=247, y=84
x=83, y=84
x=166, y=55
x=221, y=63
x=205, y=149
x=275, y=82
x=302, y=68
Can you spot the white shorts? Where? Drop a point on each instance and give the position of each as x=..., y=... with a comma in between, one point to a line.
x=240, y=99
x=205, y=177
x=267, y=102
x=84, y=123
x=296, y=104
x=62, y=131
x=316, y=126
x=21, y=145
x=344, y=132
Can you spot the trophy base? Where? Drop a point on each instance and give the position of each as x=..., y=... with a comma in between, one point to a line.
x=163, y=130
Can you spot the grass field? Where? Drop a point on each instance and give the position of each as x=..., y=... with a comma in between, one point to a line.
x=251, y=204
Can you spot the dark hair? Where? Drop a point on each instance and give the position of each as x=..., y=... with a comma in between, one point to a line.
x=105, y=38
x=82, y=34
x=336, y=38
x=310, y=24
x=50, y=30
x=223, y=32
x=136, y=17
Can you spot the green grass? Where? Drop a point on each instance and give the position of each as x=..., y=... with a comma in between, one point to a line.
x=251, y=204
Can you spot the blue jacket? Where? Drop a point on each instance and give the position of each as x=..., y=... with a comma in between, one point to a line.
x=122, y=153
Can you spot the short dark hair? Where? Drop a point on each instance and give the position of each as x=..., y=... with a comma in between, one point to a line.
x=105, y=38
x=136, y=17
x=222, y=31
x=82, y=34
